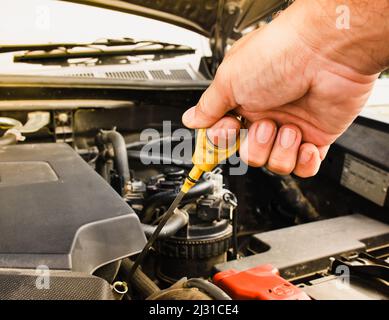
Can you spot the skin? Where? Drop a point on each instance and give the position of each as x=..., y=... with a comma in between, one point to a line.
x=299, y=82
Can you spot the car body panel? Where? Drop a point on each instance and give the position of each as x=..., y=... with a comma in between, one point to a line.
x=197, y=15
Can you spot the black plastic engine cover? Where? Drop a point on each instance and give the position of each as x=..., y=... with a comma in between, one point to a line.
x=55, y=210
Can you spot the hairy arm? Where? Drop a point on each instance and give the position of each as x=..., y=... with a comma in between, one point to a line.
x=300, y=81
x=354, y=33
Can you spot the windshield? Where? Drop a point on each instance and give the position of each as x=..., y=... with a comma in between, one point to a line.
x=50, y=21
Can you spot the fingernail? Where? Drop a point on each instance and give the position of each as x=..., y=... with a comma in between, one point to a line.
x=221, y=136
x=288, y=137
x=216, y=135
x=188, y=116
x=264, y=132
x=305, y=156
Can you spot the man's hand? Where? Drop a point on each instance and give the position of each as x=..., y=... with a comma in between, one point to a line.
x=299, y=82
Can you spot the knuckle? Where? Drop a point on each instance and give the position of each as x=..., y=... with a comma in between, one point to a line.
x=303, y=174
x=280, y=166
x=222, y=81
x=201, y=104
x=306, y=172
x=223, y=72
x=257, y=161
x=203, y=110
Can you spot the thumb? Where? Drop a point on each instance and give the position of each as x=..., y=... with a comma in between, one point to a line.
x=213, y=104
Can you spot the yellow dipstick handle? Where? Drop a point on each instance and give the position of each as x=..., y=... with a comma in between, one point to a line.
x=207, y=156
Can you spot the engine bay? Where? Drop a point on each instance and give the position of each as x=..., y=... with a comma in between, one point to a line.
x=80, y=196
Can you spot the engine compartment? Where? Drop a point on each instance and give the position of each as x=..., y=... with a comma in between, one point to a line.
x=227, y=222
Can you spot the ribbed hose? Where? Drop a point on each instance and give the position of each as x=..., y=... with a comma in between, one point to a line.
x=140, y=281
x=120, y=150
x=294, y=197
x=209, y=288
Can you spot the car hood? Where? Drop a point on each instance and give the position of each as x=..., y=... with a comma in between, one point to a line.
x=200, y=16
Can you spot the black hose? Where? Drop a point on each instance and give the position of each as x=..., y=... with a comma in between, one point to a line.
x=297, y=201
x=291, y=199
x=212, y=290
x=8, y=139
x=166, y=197
x=159, y=159
x=138, y=144
x=178, y=220
x=140, y=281
x=120, y=151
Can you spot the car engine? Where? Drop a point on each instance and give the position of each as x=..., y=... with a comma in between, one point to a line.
x=80, y=196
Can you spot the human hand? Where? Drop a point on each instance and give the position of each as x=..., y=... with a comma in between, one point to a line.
x=297, y=96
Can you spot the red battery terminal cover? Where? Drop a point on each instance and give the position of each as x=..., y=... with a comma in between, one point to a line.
x=260, y=283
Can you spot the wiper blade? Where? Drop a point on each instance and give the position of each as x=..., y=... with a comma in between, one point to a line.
x=98, y=53
x=68, y=45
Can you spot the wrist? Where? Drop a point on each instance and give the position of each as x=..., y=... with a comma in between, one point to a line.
x=352, y=33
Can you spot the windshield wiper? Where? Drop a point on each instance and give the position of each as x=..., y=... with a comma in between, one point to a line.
x=96, y=53
x=96, y=49
x=68, y=45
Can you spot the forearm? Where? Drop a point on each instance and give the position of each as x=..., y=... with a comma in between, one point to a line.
x=354, y=33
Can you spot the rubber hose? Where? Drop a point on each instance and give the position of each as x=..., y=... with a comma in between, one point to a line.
x=8, y=139
x=138, y=144
x=166, y=197
x=295, y=198
x=120, y=150
x=178, y=220
x=159, y=159
x=212, y=290
x=140, y=281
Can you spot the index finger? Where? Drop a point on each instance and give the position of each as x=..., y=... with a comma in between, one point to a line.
x=214, y=103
